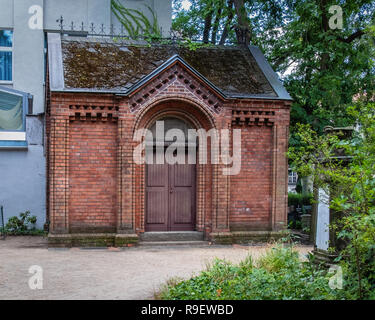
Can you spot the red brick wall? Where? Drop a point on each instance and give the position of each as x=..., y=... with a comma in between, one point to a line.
x=93, y=184
x=92, y=176
x=250, y=205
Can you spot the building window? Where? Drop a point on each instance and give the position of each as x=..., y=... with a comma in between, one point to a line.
x=292, y=178
x=6, y=56
x=11, y=111
x=14, y=106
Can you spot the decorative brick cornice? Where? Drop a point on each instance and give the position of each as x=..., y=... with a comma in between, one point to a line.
x=246, y=117
x=93, y=113
x=184, y=83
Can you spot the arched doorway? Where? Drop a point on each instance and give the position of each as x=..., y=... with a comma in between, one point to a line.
x=170, y=185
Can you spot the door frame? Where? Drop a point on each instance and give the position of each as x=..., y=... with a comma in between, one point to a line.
x=207, y=176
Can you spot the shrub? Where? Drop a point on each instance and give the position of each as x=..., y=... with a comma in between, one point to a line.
x=279, y=275
x=343, y=164
x=300, y=199
x=24, y=224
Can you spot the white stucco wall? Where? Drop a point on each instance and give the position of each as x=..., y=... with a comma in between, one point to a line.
x=23, y=176
x=6, y=13
x=28, y=54
x=86, y=11
x=22, y=172
x=28, y=50
x=162, y=9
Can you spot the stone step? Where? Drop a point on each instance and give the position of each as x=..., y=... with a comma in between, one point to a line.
x=172, y=236
x=172, y=243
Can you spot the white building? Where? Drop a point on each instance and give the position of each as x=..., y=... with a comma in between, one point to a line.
x=23, y=27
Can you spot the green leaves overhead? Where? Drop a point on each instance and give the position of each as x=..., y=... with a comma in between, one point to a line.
x=135, y=22
x=323, y=69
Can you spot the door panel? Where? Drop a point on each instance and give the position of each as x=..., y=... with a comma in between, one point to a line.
x=182, y=198
x=170, y=197
x=158, y=207
x=181, y=207
x=157, y=175
x=156, y=197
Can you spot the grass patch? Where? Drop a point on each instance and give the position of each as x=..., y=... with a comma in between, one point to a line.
x=278, y=275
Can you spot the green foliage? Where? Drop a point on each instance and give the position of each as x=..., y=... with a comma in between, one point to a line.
x=279, y=259
x=300, y=199
x=330, y=66
x=279, y=275
x=193, y=45
x=22, y=225
x=135, y=22
x=351, y=184
x=322, y=69
x=216, y=21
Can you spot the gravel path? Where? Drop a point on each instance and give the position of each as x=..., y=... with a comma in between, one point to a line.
x=132, y=273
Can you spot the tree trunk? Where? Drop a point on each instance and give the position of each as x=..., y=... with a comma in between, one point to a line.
x=243, y=30
x=216, y=25
x=324, y=58
x=207, y=26
x=225, y=33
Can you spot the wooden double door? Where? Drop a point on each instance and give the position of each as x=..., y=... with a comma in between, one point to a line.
x=170, y=197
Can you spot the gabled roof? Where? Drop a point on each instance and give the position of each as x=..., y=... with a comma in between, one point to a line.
x=170, y=62
x=79, y=64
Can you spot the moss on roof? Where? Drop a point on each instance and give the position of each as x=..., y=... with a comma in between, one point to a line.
x=109, y=65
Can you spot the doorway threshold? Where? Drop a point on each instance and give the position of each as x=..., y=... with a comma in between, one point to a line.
x=174, y=236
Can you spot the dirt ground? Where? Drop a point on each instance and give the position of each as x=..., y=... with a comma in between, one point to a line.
x=131, y=273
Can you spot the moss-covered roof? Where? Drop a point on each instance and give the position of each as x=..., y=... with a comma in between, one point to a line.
x=94, y=64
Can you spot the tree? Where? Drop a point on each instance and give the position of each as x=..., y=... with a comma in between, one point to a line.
x=352, y=189
x=226, y=21
x=243, y=28
x=205, y=20
x=323, y=69
x=330, y=67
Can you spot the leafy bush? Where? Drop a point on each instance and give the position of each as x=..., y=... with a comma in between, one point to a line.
x=300, y=199
x=24, y=224
x=344, y=166
x=279, y=275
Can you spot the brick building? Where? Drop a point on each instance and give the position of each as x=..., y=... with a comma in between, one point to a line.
x=100, y=92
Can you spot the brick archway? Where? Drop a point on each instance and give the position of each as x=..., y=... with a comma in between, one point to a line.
x=203, y=113
x=205, y=174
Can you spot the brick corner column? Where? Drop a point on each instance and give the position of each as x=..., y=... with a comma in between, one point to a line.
x=125, y=216
x=221, y=183
x=280, y=171
x=59, y=174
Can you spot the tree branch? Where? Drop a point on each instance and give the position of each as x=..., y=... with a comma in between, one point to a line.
x=352, y=37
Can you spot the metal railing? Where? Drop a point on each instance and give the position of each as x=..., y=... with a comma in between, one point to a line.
x=112, y=31
x=118, y=32
x=2, y=229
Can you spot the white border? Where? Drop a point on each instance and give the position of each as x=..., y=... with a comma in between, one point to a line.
x=12, y=136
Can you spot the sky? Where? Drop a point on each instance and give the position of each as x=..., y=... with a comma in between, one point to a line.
x=186, y=4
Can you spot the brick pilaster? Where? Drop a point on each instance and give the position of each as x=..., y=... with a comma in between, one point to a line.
x=59, y=175
x=126, y=207
x=280, y=171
